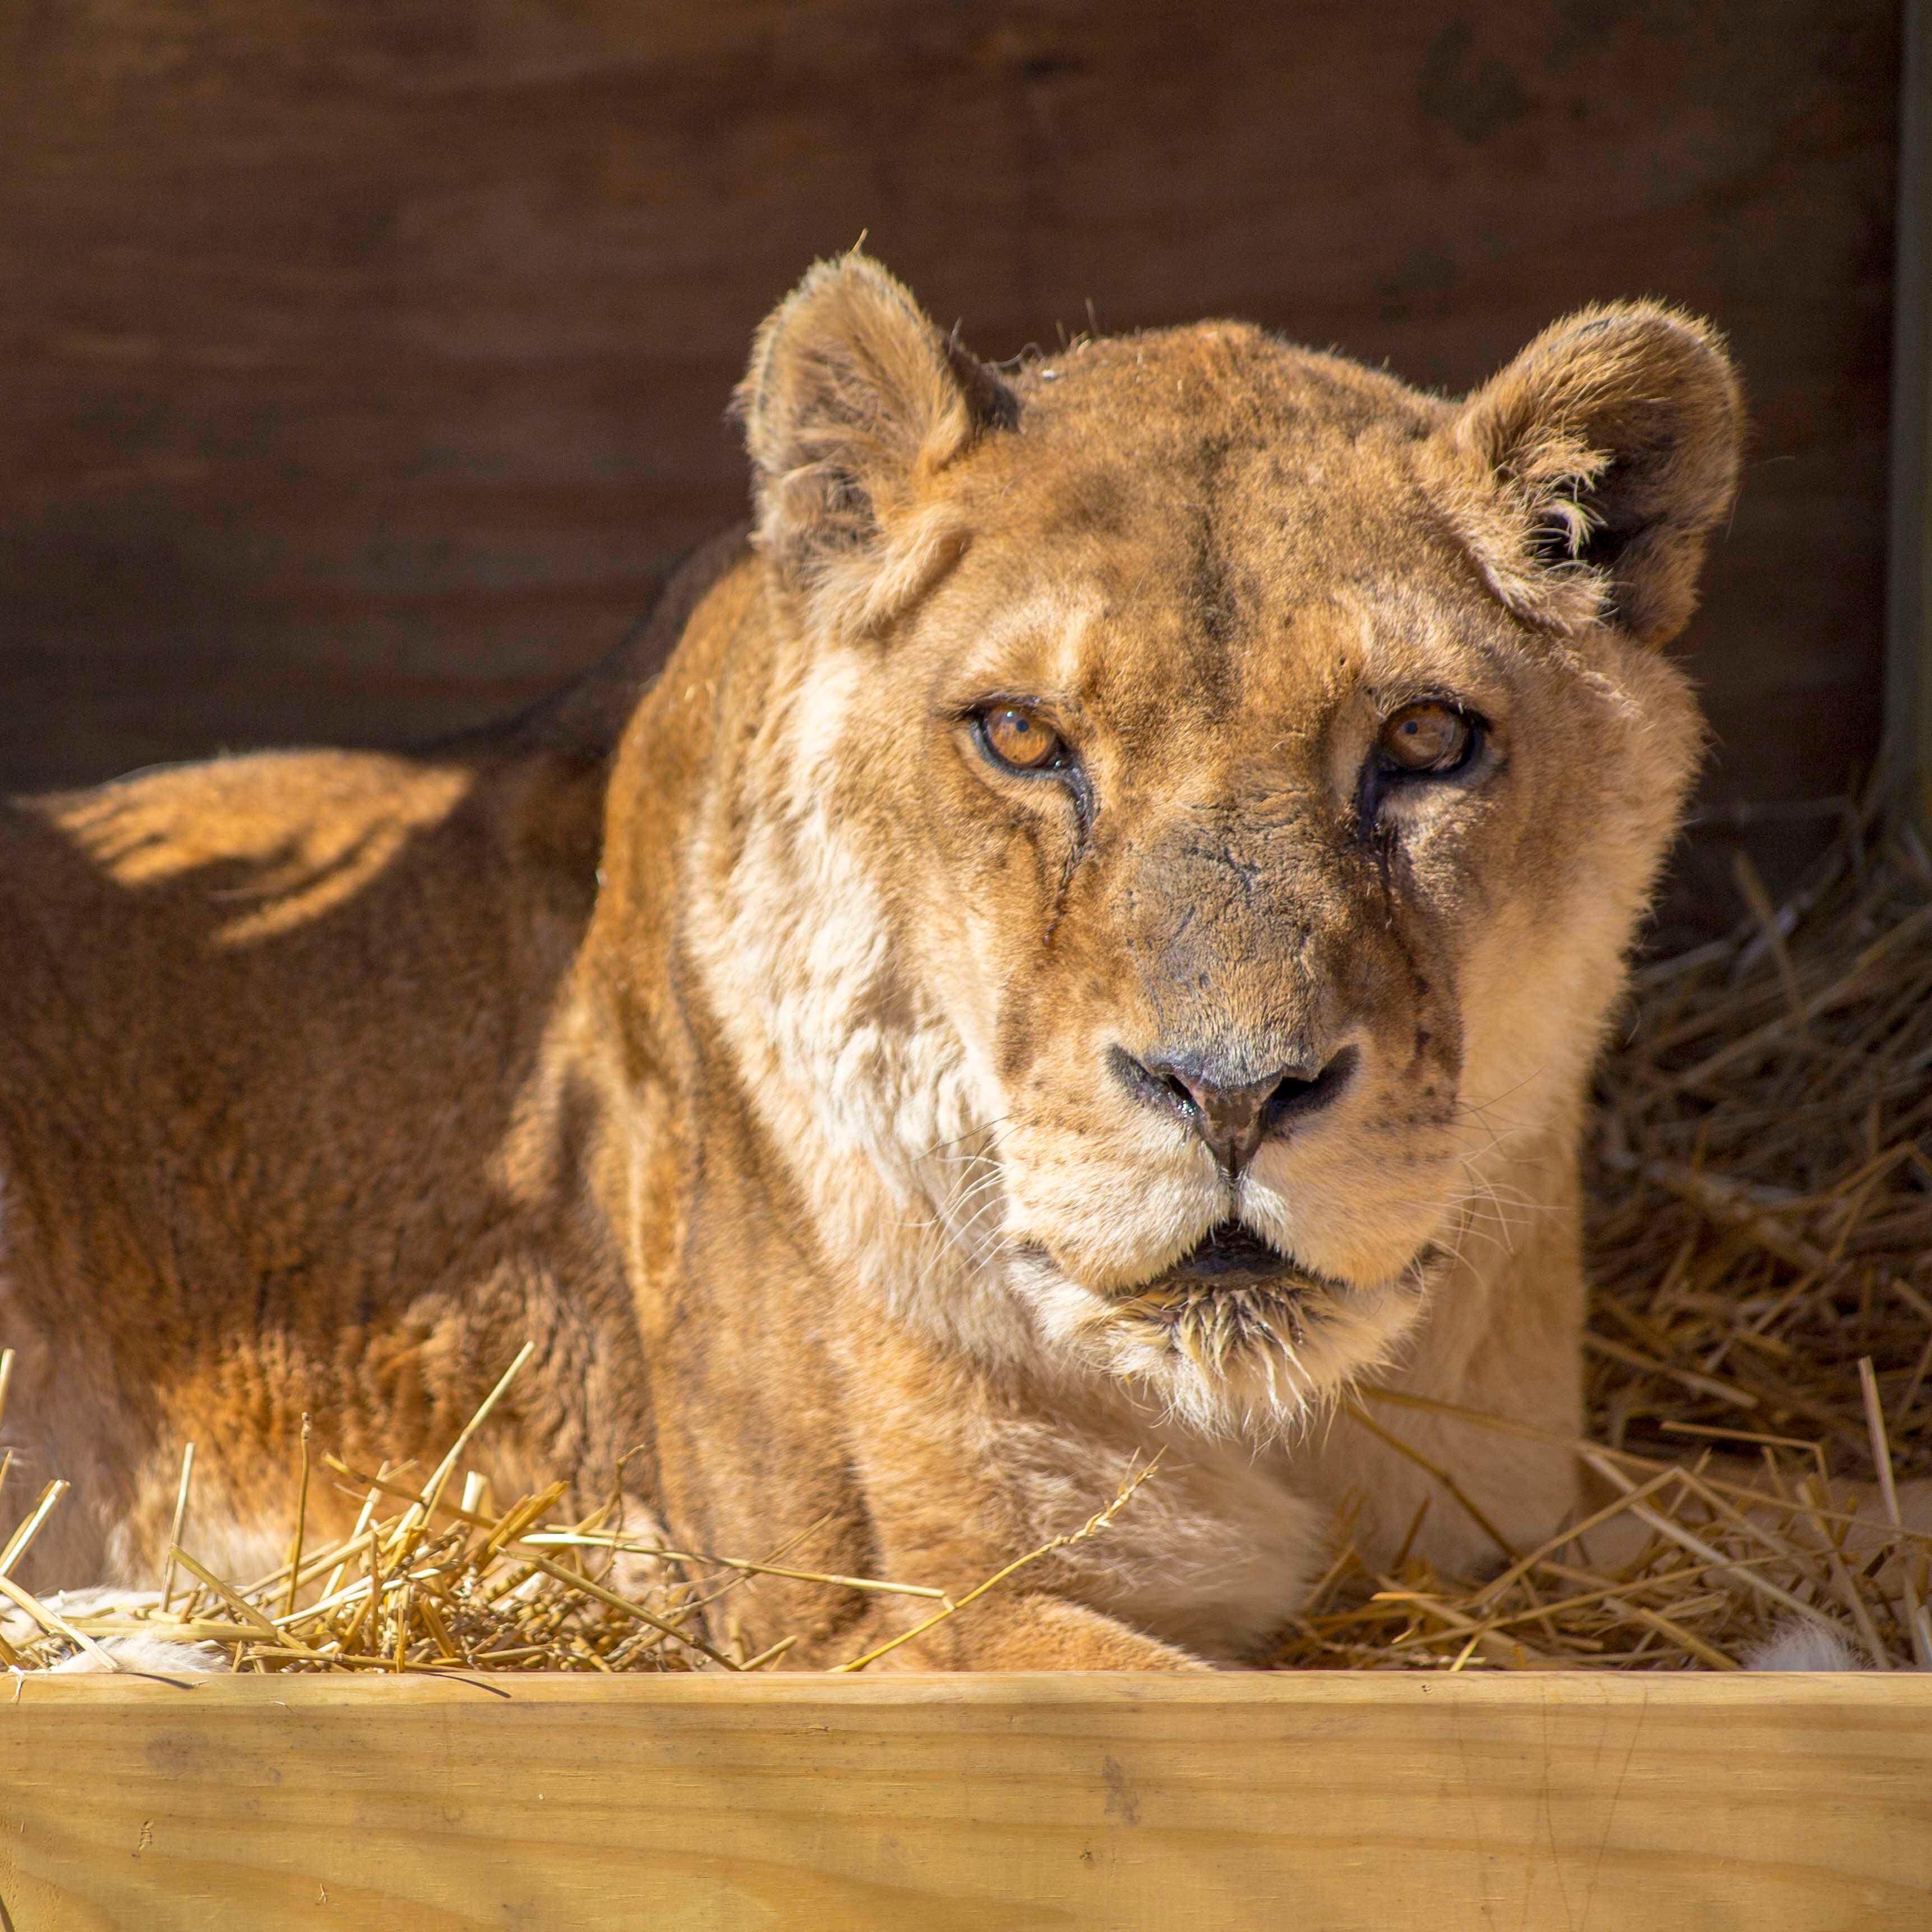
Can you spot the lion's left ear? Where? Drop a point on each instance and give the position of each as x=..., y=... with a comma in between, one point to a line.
x=1587, y=476
x=853, y=401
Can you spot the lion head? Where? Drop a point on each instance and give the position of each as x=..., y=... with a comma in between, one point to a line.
x=1200, y=795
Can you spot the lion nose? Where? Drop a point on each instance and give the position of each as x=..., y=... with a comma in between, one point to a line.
x=1234, y=1117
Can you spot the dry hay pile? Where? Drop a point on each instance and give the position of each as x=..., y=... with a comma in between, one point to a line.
x=426, y=1583
x=1761, y=1339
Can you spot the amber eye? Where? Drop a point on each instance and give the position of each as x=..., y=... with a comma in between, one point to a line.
x=1427, y=738
x=1015, y=737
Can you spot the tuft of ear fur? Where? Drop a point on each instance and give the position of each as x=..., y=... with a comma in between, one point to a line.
x=853, y=403
x=1587, y=475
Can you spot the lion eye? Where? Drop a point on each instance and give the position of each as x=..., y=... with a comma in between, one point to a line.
x=1426, y=738
x=1015, y=737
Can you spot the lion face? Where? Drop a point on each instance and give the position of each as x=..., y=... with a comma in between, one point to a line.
x=1206, y=795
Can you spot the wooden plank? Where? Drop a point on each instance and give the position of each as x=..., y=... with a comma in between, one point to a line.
x=939, y=1805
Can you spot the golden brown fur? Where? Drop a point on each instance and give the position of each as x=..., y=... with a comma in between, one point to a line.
x=801, y=1113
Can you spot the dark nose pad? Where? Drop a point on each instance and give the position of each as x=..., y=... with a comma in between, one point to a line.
x=1234, y=1118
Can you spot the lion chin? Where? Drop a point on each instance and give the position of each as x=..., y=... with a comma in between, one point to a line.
x=1235, y=1338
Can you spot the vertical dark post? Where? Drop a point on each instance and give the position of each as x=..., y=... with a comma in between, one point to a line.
x=1909, y=623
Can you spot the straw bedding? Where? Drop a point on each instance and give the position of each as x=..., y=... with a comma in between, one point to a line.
x=1760, y=1341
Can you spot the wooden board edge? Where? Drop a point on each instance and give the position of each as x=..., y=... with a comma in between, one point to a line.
x=1717, y=1692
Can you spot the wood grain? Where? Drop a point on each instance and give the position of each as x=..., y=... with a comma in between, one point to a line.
x=362, y=367
x=1385, y=1804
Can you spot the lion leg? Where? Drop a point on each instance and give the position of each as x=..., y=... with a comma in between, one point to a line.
x=1034, y=1631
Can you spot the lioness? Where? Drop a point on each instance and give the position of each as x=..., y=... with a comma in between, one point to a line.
x=1095, y=943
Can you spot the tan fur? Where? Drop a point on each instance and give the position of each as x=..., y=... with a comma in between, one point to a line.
x=779, y=1108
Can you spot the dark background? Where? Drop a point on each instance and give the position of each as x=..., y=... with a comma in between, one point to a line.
x=365, y=362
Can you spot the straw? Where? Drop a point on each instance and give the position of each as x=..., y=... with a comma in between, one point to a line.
x=438, y=1585
x=180, y=1520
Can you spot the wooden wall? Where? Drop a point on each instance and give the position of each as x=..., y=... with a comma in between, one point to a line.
x=362, y=362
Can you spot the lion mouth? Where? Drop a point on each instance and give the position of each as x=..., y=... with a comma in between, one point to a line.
x=1235, y=1328
x=1232, y=1255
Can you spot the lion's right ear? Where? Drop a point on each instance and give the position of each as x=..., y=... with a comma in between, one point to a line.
x=853, y=402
